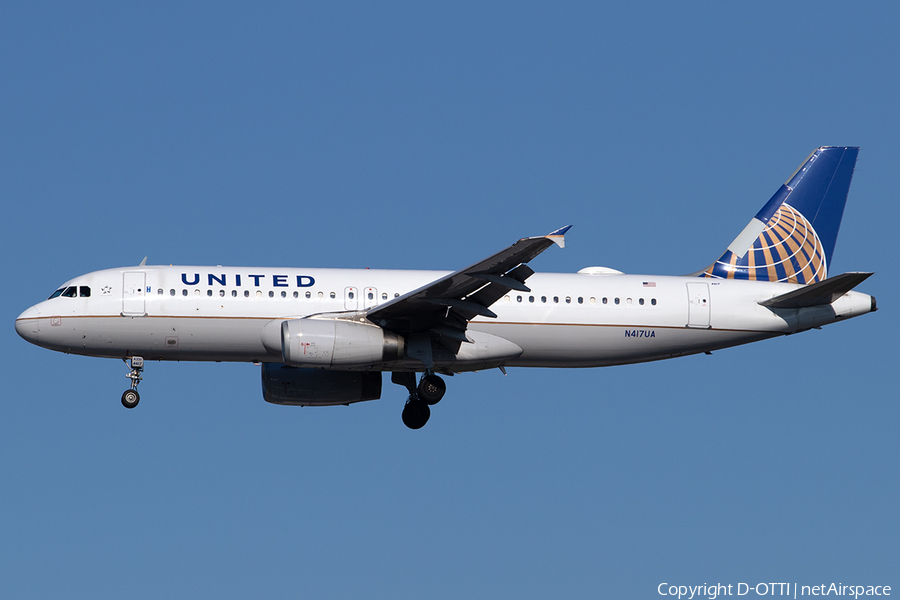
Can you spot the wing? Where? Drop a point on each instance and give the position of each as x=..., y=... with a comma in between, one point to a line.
x=445, y=306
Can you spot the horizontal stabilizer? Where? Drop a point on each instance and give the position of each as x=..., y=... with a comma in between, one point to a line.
x=818, y=294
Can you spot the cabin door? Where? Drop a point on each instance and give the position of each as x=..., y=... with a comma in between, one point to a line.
x=698, y=305
x=134, y=294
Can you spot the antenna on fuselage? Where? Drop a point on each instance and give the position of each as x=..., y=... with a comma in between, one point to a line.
x=143, y=262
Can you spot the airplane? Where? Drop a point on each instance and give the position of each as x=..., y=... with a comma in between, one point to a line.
x=325, y=336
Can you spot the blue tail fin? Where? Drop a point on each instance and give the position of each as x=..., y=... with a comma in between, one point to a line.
x=792, y=238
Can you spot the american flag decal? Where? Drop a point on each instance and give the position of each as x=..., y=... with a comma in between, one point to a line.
x=649, y=284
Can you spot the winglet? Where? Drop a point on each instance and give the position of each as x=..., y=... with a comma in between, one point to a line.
x=558, y=237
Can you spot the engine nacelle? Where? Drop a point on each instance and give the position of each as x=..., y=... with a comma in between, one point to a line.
x=336, y=343
x=282, y=384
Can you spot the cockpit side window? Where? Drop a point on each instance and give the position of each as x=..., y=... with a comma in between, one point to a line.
x=70, y=292
x=56, y=293
x=84, y=291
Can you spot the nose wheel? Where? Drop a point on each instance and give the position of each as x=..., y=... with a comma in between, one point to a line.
x=130, y=398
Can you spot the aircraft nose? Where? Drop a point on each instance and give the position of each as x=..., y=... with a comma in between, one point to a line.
x=27, y=325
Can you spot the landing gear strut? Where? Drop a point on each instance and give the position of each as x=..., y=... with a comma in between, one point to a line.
x=130, y=398
x=427, y=393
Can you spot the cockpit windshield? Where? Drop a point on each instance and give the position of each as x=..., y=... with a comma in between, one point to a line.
x=72, y=292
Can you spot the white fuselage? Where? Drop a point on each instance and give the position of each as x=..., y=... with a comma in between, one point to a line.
x=567, y=320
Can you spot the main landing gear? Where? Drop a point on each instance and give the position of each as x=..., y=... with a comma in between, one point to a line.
x=415, y=413
x=429, y=392
x=130, y=398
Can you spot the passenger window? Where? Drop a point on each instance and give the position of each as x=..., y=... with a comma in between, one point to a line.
x=544, y=299
x=555, y=299
x=518, y=298
x=309, y=294
x=209, y=292
x=246, y=293
x=85, y=291
x=384, y=296
x=284, y=294
x=593, y=300
x=350, y=295
x=653, y=301
x=396, y=295
x=568, y=299
x=172, y=292
x=184, y=292
x=259, y=293
x=605, y=300
x=234, y=293
x=628, y=301
x=371, y=296
x=531, y=298
x=616, y=301
x=196, y=292
x=580, y=300
x=641, y=301
x=320, y=295
x=271, y=294
x=296, y=294
x=70, y=292
x=506, y=298
x=332, y=295
x=221, y=293
x=159, y=292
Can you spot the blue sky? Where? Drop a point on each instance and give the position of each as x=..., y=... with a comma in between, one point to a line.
x=405, y=135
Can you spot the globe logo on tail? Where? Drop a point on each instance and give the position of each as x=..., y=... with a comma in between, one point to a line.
x=788, y=250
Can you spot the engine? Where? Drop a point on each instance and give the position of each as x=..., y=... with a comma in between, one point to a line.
x=294, y=386
x=331, y=343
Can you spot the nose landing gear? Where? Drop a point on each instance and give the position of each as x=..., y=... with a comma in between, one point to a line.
x=130, y=398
